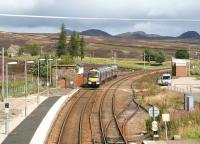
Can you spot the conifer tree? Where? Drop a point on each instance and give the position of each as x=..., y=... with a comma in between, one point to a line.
x=82, y=45
x=74, y=45
x=62, y=44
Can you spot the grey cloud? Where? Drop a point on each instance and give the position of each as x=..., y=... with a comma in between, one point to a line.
x=102, y=8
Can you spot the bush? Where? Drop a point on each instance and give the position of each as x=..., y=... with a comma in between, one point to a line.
x=20, y=51
x=195, y=71
x=149, y=124
x=160, y=57
x=67, y=60
x=34, y=49
x=152, y=55
x=182, y=54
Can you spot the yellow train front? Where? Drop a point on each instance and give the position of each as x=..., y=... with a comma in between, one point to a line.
x=98, y=76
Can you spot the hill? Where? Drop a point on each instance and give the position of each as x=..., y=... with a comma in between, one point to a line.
x=189, y=35
x=142, y=35
x=95, y=32
x=102, y=46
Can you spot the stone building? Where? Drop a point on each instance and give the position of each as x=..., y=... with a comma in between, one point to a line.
x=13, y=50
x=66, y=76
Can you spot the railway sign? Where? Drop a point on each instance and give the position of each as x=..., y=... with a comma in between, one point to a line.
x=6, y=107
x=165, y=117
x=154, y=126
x=154, y=111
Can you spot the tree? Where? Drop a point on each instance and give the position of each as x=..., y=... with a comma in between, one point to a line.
x=20, y=51
x=152, y=55
x=149, y=55
x=74, y=45
x=160, y=57
x=62, y=44
x=34, y=49
x=82, y=45
x=182, y=54
x=43, y=69
x=5, y=53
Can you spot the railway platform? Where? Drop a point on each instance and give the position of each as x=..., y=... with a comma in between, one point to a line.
x=35, y=127
x=171, y=142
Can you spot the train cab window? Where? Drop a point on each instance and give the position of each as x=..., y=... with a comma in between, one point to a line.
x=93, y=74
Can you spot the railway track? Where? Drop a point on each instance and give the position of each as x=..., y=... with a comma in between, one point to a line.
x=91, y=116
x=108, y=98
x=121, y=119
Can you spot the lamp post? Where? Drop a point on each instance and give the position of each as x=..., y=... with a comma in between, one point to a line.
x=3, y=90
x=6, y=99
x=50, y=71
x=25, y=73
x=48, y=76
x=38, y=80
x=57, y=74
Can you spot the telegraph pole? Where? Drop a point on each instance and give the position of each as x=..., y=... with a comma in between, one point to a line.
x=144, y=61
x=189, y=62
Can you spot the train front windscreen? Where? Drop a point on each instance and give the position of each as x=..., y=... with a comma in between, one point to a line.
x=93, y=74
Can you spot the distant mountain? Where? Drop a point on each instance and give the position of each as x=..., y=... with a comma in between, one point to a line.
x=189, y=35
x=95, y=32
x=69, y=32
x=141, y=35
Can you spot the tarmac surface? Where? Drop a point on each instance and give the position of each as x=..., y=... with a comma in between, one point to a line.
x=188, y=85
x=24, y=132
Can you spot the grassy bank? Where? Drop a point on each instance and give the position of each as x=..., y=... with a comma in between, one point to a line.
x=16, y=87
x=185, y=124
x=125, y=63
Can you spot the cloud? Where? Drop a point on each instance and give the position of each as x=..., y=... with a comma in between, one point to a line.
x=173, y=9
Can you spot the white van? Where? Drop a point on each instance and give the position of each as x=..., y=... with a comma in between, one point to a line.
x=165, y=79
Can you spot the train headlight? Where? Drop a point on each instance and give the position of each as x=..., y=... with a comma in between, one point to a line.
x=97, y=83
x=89, y=82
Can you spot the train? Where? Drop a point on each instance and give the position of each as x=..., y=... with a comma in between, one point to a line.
x=98, y=76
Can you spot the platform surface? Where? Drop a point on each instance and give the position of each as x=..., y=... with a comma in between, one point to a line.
x=24, y=132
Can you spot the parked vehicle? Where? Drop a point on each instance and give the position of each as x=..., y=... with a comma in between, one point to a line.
x=165, y=79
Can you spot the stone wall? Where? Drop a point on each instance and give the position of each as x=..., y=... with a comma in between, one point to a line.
x=66, y=76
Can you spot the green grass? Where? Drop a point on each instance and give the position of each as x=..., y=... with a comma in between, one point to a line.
x=18, y=84
x=111, y=47
x=23, y=58
x=125, y=63
x=186, y=124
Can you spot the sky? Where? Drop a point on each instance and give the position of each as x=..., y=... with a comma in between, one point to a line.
x=122, y=9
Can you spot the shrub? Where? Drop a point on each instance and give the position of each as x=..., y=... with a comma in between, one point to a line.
x=67, y=60
x=182, y=54
x=195, y=71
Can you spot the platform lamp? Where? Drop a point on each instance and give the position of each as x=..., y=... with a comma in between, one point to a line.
x=48, y=60
x=6, y=100
x=25, y=73
x=38, y=80
x=58, y=59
